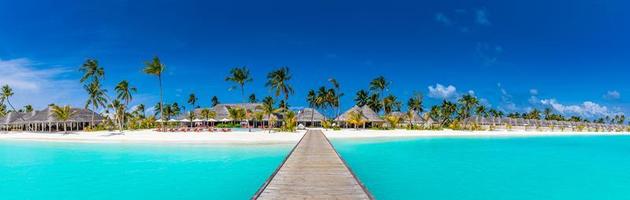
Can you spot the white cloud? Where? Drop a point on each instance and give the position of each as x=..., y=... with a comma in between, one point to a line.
x=506, y=100
x=586, y=109
x=443, y=19
x=39, y=87
x=612, y=95
x=442, y=92
x=481, y=17
x=533, y=92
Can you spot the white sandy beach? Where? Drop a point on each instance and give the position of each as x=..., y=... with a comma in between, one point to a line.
x=150, y=136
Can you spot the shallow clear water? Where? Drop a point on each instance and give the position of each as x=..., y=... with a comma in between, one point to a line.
x=483, y=168
x=49, y=170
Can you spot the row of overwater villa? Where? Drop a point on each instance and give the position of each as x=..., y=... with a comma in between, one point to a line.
x=44, y=120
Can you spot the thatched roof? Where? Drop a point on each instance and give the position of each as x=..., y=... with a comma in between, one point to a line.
x=416, y=119
x=367, y=113
x=46, y=115
x=309, y=114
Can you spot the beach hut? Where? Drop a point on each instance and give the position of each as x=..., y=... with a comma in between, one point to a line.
x=369, y=116
x=44, y=120
x=309, y=117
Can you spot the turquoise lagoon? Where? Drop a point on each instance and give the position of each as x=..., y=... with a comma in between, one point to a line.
x=420, y=168
x=576, y=167
x=52, y=170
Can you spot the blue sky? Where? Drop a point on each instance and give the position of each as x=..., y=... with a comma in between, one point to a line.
x=572, y=55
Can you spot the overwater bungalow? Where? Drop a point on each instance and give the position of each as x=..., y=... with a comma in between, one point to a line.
x=45, y=121
x=370, y=117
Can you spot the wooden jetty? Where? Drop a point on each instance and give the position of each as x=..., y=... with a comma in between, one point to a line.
x=313, y=170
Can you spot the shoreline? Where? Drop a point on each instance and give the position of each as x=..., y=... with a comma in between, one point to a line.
x=261, y=137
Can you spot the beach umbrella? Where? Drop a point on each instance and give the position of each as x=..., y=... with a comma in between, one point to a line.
x=225, y=120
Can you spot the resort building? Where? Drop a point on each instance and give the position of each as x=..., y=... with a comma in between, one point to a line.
x=222, y=116
x=505, y=123
x=309, y=117
x=45, y=121
x=370, y=118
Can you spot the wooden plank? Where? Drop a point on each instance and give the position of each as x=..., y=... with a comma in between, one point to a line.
x=313, y=170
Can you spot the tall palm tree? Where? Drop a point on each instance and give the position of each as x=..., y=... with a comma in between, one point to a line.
x=215, y=101
x=124, y=93
x=481, y=111
x=379, y=85
x=278, y=81
x=374, y=103
x=268, y=109
x=91, y=70
x=156, y=68
x=447, y=109
x=97, y=97
x=119, y=112
x=240, y=76
x=414, y=106
x=338, y=95
x=322, y=99
x=361, y=99
x=63, y=114
x=467, y=102
x=3, y=110
x=192, y=100
x=7, y=92
x=140, y=111
x=208, y=114
x=311, y=98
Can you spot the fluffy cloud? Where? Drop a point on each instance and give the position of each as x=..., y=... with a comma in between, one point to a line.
x=481, y=17
x=443, y=19
x=612, y=95
x=442, y=92
x=533, y=92
x=586, y=109
x=38, y=87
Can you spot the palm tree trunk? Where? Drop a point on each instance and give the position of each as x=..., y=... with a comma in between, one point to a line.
x=92, y=120
x=249, y=128
x=161, y=104
x=312, y=117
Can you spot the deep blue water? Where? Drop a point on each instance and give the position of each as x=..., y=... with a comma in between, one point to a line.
x=559, y=168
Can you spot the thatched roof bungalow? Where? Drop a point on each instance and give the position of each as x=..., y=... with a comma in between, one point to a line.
x=369, y=116
x=44, y=120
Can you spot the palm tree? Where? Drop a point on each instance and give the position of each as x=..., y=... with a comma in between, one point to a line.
x=28, y=108
x=374, y=103
x=6, y=93
x=119, y=112
x=124, y=93
x=548, y=113
x=192, y=100
x=481, y=111
x=252, y=98
x=361, y=98
x=240, y=76
x=391, y=103
x=447, y=109
x=63, y=114
x=311, y=98
x=322, y=99
x=236, y=113
x=215, y=101
x=268, y=109
x=392, y=120
x=97, y=97
x=338, y=95
x=91, y=70
x=140, y=111
x=156, y=68
x=3, y=110
x=355, y=118
x=468, y=102
x=277, y=81
x=379, y=85
x=207, y=114
x=414, y=105
x=290, y=121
